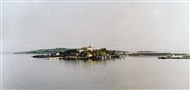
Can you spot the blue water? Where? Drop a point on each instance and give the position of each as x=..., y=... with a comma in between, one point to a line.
x=21, y=71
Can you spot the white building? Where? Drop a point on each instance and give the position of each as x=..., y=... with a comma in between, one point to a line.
x=89, y=48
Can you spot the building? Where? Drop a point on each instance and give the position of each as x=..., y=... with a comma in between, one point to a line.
x=89, y=48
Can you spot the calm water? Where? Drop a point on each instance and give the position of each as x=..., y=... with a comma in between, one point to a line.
x=25, y=72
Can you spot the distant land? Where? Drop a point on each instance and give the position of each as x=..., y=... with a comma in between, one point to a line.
x=91, y=51
x=98, y=54
x=53, y=50
x=44, y=51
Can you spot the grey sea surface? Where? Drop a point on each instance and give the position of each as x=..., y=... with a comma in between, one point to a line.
x=21, y=71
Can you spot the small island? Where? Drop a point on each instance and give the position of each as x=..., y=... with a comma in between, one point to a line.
x=84, y=53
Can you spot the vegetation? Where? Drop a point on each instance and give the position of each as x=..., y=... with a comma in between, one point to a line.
x=43, y=51
x=88, y=53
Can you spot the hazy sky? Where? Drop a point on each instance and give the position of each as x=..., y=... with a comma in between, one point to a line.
x=130, y=26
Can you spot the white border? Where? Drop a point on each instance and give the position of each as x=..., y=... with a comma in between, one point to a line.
x=1, y=52
x=95, y=1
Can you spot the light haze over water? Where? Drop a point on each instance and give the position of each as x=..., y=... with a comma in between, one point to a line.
x=128, y=26
x=24, y=72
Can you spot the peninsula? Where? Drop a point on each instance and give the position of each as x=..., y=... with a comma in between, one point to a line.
x=44, y=51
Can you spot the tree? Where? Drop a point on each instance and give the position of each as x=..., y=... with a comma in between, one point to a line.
x=113, y=52
x=103, y=49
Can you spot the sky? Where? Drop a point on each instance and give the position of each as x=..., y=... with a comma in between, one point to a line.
x=129, y=26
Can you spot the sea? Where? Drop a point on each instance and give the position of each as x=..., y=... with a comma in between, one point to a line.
x=21, y=71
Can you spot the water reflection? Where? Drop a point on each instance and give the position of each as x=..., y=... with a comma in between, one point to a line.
x=83, y=63
x=24, y=72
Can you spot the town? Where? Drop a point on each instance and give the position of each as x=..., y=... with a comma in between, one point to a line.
x=84, y=53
